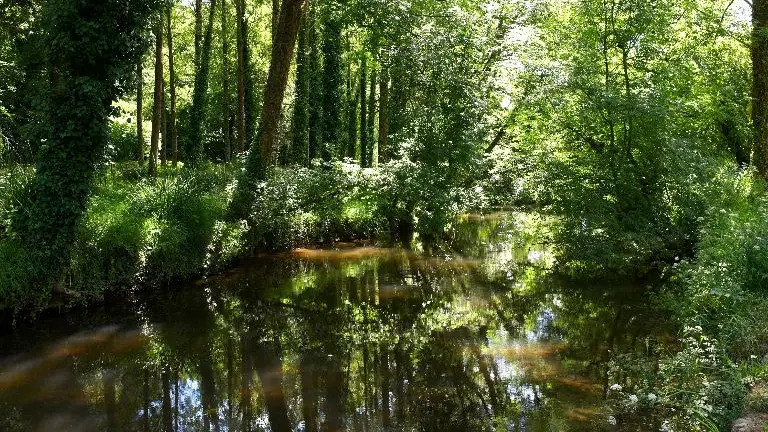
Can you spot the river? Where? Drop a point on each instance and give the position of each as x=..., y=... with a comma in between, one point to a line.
x=469, y=336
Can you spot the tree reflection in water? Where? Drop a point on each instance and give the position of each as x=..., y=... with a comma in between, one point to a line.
x=361, y=339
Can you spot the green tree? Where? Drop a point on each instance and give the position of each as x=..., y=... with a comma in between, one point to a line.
x=91, y=47
x=333, y=84
x=760, y=85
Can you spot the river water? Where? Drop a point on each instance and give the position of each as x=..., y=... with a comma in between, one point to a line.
x=468, y=336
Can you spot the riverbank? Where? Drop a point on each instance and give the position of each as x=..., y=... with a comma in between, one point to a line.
x=176, y=227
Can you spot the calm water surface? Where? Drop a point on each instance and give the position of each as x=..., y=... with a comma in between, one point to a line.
x=469, y=337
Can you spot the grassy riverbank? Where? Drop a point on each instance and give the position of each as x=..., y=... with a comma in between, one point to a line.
x=177, y=226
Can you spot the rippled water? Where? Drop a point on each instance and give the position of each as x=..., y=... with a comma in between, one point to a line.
x=470, y=337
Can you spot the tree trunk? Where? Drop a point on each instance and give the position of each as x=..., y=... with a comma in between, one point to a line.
x=275, y=19
x=384, y=151
x=300, y=141
x=140, y=110
x=363, y=114
x=351, y=114
x=315, y=89
x=157, y=109
x=164, y=125
x=333, y=87
x=174, y=134
x=760, y=85
x=198, y=31
x=227, y=114
x=200, y=96
x=282, y=53
x=371, y=115
x=240, y=12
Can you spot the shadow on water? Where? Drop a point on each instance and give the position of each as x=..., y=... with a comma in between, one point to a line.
x=366, y=339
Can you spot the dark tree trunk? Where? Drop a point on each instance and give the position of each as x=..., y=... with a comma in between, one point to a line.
x=384, y=151
x=241, y=46
x=227, y=111
x=333, y=87
x=300, y=141
x=157, y=109
x=371, y=115
x=275, y=19
x=198, y=31
x=760, y=85
x=315, y=88
x=363, y=114
x=164, y=125
x=351, y=114
x=174, y=135
x=140, y=110
x=282, y=53
x=200, y=96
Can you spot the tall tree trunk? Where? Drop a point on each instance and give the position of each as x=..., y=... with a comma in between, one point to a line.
x=172, y=72
x=208, y=393
x=760, y=85
x=227, y=111
x=351, y=114
x=371, y=115
x=164, y=125
x=157, y=110
x=198, y=31
x=200, y=96
x=333, y=86
x=140, y=110
x=282, y=53
x=315, y=88
x=384, y=150
x=363, y=114
x=300, y=141
x=241, y=46
x=275, y=19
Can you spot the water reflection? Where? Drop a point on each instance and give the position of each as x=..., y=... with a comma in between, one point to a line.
x=469, y=338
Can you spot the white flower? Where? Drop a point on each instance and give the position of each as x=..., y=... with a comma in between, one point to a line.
x=632, y=399
x=652, y=397
x=615, y=387
x=612, y=420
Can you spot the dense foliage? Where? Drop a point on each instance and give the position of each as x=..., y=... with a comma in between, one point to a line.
x=635, y=128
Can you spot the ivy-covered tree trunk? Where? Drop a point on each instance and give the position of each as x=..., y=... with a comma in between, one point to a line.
x=164, y=124
x=333, y=87
x=91, y=46
x=384, y=151
x=371, y=116
x=174, y=134
x=241, y=47
x=157, y=104
x=200, y=95
x=282, y=53
x=760, y=85
x=198, y=31
x=351, y=114
x=140, y=109
x=227, y=109
x=363, y=114
x=300, y=135
x=315, y=89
